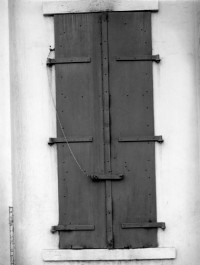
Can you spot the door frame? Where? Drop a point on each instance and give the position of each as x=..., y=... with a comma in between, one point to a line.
x=84, y=6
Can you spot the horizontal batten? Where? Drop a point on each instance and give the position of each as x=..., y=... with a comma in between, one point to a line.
x=68, y=60
x=83, y=6
x=143, y=225
x=72, y=228
x=155, y=58
x=158, y=139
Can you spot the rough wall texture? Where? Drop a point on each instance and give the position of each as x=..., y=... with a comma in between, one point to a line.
x=176, y=99
x=5, y=149
x=176, y=39
x=33, y=122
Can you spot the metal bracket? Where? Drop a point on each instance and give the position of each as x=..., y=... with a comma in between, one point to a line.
x=98, y=177
x=158, y=139
x=144, y=225
x=61, y=140
x=155, y=58
x=56, y=228
x=12, y=237
x=68, y=60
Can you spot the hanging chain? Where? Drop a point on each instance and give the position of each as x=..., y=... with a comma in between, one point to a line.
x=50, y=82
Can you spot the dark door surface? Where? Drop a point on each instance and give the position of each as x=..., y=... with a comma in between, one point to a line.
x=131, y=109
x=104, y=98
x=79, y=103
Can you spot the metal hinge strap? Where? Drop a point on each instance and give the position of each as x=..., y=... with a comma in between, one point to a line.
x=12, y=237
x=70, y=140
x=155, y=58
x=68, y=60
x=143, y=225
x=72, y=228
x=158, y=139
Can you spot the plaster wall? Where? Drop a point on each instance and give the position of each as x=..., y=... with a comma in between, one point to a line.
x=5, y=143
x=176, y=100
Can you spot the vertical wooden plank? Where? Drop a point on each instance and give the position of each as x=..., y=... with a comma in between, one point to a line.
x=131, y=89
x=106, y=125
x=79, y=101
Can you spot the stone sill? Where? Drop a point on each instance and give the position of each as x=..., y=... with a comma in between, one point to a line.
x=106, y=254
x=81, y=6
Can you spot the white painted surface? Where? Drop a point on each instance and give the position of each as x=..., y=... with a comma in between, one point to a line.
x=176, y=87
x=35, y=196
x=80, y=6
x=5, y=131
x=176, y=37
x=105, y=254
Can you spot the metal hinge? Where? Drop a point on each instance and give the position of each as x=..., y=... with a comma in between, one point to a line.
x=70, y=140
x=144, y=225
x=68, y=60
x=12, y=238
x=158, y=139
x=155, y=58
x=72, y=228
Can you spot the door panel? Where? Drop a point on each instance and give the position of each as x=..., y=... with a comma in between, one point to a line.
x=79, y=103
x=131, y=90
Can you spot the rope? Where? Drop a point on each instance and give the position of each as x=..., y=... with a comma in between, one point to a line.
x=49, y=74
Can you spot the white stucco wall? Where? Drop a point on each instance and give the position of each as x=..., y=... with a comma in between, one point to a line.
x=176, y=93
x=176, y=98
x=5, y=145
x=33, y=122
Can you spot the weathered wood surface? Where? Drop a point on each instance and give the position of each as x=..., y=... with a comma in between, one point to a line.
x=131, y=90
x=106, y=129
x=79, y=101
x=109, y=100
